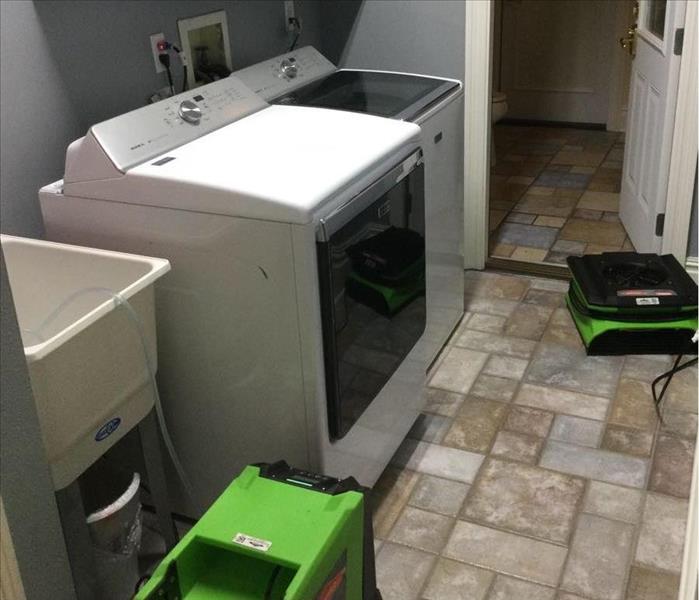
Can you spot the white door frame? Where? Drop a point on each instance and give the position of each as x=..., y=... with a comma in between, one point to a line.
x=621, y=69
x=683, y=156
x=477, y=128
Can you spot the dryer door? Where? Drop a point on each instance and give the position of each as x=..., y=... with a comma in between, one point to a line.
x=371, y=260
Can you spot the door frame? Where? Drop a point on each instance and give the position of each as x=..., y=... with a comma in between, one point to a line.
x=477, y=132
x=478, y=63
x=620, y=72
x=685, y=146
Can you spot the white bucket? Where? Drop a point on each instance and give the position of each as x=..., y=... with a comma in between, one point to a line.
x=115, y=531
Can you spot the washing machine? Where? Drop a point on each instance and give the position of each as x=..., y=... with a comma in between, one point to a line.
x=266, y=348
x=306, y=78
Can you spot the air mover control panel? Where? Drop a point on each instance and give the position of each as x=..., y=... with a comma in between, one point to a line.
x=628, y=279
x=282, y=472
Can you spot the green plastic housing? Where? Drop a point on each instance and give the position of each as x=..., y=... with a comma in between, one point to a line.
x=622, y=335
x=302, y=545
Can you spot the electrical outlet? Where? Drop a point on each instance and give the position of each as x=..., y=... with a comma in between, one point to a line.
x=289, y=13
x=154, y=39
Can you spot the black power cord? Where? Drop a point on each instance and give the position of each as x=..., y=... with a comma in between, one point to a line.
x=676, y=368
x=297, y=31
x=164, y=59
x=183, y=60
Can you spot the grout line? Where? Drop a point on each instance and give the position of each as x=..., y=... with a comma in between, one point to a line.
x=520, y=139
x=579, y=506
x=573, y=534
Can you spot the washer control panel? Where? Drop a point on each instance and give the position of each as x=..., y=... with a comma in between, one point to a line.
x=283, y=74
x=189, y=111
x=138, y=136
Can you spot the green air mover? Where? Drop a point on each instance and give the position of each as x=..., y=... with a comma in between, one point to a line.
x=388, y=270
x=630, y=303
x=275, y=533
x=387, y=300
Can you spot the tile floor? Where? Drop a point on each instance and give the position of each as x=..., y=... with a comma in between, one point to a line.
x=554, y=193
x=535, y=472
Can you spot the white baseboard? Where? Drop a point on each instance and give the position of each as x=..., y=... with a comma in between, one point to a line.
x=688, y=582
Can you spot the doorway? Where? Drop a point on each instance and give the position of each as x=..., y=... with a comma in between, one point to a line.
x=560, y=86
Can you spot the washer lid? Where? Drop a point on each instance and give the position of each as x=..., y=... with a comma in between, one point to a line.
x=282, y=163
x=381, y=93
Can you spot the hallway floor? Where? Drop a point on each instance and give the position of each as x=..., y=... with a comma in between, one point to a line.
x=537, y=472
x=554, y=192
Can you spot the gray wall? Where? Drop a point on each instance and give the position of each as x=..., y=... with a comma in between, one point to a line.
x=420, y=36
x=27, y=493
x=33, y=134
x=337, y=21
x=37, y=119
x=104, y=46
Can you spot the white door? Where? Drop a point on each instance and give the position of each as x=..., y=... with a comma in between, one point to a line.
x=654, y=79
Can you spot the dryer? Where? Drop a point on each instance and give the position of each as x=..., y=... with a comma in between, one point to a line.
x=305, y=77
x=263, y=352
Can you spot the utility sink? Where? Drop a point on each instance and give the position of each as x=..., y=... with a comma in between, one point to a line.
x=86, y=352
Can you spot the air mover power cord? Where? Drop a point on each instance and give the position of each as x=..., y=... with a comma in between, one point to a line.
x=668, y=375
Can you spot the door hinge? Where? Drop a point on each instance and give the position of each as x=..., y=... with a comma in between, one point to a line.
x=659, y=224
x=679, y=41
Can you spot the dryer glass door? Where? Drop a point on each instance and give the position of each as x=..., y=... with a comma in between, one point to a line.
x=371, y=260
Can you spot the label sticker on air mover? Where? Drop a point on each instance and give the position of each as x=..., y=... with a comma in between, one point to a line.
x=647, y=301
x=251, y=542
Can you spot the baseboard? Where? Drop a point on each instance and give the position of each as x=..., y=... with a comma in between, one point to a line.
x=528, y=268
x=688, y=580
x=691, y=265
x=544, y=123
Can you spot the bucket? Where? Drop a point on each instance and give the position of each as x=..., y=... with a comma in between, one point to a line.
x=115, y=531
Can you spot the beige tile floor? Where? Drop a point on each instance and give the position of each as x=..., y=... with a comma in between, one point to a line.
x=554, y=193
x=536, y=472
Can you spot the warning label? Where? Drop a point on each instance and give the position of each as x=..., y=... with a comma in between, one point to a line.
x=251, y=542
x=647, y=301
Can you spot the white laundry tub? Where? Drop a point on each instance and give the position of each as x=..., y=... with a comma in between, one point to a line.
x=85, y=354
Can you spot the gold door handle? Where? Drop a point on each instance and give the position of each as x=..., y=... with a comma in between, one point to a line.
x=628, y=42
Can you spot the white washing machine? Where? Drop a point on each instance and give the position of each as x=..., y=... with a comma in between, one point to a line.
x=306, y=78
x=266, y=351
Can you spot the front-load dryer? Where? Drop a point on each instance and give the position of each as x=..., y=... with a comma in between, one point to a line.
x=270, y=344
x=305, y=77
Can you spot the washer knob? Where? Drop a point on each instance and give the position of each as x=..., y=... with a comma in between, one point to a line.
x=189, y=112
x=288, y=68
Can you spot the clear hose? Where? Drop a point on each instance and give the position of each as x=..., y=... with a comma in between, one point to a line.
x=120, y=301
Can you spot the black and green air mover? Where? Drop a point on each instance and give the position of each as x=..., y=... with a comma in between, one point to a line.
x=276, y=533
x=630, y=303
